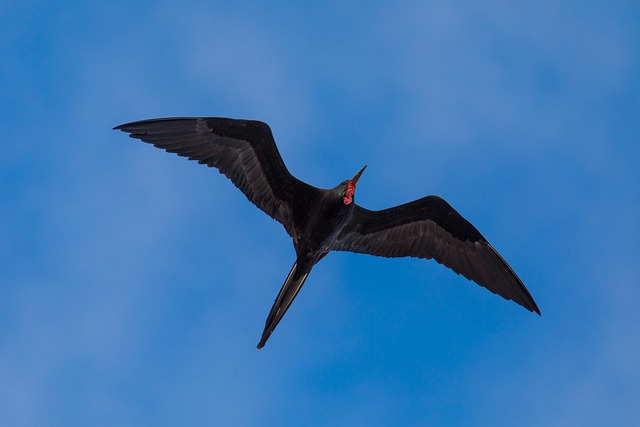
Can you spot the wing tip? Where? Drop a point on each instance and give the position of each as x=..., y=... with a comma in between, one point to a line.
x=536, y=309
x=529, y=304
x=525, y=300
x=129, y=126
x=126, y=127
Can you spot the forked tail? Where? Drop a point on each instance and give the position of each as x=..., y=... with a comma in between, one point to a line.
x=287, y=294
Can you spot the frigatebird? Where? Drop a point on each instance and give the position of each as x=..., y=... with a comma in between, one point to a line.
x=325, y=220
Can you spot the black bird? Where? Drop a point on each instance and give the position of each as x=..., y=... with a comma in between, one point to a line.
x=320, y=221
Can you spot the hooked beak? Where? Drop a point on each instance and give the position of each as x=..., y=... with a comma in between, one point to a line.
x=357, y=177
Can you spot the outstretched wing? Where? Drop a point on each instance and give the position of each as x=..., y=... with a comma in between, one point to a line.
x=431, y=228
x=243, y=150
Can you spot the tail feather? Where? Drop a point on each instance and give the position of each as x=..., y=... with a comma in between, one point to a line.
x=287, y=294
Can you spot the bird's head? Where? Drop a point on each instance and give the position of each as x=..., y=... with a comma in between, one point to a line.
x=347, y=189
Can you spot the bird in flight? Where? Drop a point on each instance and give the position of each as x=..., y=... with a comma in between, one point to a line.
x=323, y=220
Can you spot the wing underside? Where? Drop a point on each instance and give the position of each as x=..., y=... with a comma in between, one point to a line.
x=430, y=228
x=243, y=150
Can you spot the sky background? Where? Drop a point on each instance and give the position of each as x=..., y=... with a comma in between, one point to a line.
x=135, y=284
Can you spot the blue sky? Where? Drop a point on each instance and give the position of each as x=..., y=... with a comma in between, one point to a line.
x=135, y=284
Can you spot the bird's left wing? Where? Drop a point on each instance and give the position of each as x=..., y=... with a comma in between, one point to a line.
x=431, y=228
x=243, y=150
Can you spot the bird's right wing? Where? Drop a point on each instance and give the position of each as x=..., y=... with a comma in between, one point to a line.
x=243, y=150
x=431, y=228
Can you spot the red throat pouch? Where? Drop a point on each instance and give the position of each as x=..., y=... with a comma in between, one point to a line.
x=351, y=190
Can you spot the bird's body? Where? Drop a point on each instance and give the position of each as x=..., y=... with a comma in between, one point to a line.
x=315, y=233
x=324, y=220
